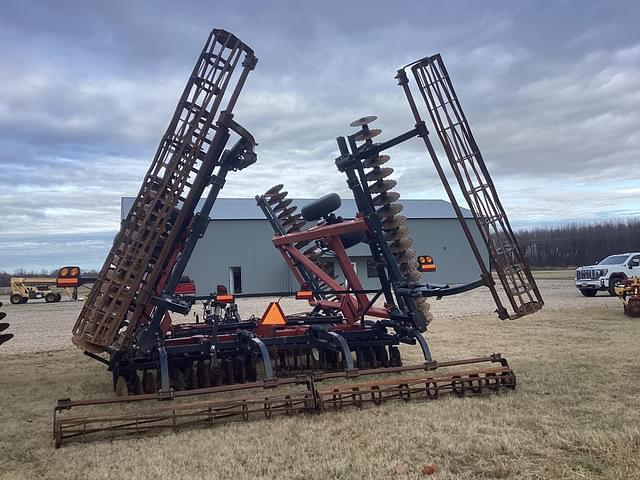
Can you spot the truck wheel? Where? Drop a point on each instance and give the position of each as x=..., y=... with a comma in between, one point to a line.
x=589, y=292
x=16, y=298
x=615, y=281
x=50, y=297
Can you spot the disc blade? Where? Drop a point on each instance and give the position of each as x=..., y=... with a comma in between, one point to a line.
x=292, y=219
x=408, y=266
x=277, y=197
x=389, y=210
x=415, y=276
x=397, y=234
x=2, y=315
x=5, y=337
x=382, y=186
x=3, y=326
x=363, y=135
x=296, y=227
x=376, y=161
x=401, y=245
x=422, y=302
x=363, y=121
x=386, y=198
x=273, y=190
x=282, y=205
x=378, y=174
x=394, y=222
x=406, y=256
x=286, y=212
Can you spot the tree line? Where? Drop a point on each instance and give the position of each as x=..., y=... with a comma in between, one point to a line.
x=578, y=244
x=563, y=246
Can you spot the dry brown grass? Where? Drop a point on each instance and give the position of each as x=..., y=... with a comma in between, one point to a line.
x=575, y=414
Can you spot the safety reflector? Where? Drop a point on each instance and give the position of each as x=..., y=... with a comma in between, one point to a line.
x=304, y=295
x=426, y=263
x=67, y=282
x=224, y=298
x=273, y=315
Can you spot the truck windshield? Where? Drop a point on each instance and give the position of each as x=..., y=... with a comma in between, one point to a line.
x=614, y=260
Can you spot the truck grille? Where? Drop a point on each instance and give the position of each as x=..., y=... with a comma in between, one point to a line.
x=587, y=274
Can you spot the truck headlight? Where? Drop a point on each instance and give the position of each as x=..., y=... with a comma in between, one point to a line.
x=601, y=272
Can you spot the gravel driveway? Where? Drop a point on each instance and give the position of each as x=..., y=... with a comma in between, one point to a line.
x=40, y=326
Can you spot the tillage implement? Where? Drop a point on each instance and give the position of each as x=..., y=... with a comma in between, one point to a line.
x=344, y=351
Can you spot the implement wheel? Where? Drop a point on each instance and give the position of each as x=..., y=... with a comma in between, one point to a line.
x=50, y=297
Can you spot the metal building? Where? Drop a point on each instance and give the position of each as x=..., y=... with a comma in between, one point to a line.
x=237, y=252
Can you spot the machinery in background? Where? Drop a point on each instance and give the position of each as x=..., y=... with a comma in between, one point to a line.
x=4, y=337
x=68, y=280
x=629, y=293
x=344, y=350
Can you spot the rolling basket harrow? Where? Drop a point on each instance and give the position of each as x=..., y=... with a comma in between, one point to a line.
x=343, y=352
x=303, y=394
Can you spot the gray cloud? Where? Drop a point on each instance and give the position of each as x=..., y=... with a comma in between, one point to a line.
x=550, y=90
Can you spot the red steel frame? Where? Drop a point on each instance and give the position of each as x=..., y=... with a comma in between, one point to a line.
x=353, y=302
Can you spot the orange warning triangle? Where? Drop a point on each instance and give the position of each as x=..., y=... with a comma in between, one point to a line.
x=273, y=315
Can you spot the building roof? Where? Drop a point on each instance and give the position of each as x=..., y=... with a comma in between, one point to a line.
x=246, y=208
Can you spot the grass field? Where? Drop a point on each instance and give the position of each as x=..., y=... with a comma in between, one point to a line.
x=575, y=414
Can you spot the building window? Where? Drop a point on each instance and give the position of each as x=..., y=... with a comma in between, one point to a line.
x=372, y=272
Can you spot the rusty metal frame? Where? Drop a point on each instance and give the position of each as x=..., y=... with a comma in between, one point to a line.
x=181, y=170
x=347, y=389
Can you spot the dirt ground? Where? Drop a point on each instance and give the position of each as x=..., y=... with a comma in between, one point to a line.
x=575, y=413
x=40, y=326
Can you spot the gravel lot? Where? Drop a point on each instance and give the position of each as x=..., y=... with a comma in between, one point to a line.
x=40, y=326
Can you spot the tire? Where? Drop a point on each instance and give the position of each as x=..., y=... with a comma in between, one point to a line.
x=50, y=297
x=589, y=292
x=16, y=299
x=321, y=207
x=24, y=299
x=58, y=297
x=615, y=280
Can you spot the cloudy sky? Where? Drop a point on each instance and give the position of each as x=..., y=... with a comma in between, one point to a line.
x=551, y=90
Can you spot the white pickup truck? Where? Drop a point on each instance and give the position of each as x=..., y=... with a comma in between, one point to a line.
x=607, y=274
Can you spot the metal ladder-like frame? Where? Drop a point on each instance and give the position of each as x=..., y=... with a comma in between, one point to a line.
x=164, y=206
x=477, y=187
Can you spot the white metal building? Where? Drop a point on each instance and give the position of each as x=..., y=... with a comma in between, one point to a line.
x=237, y=252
